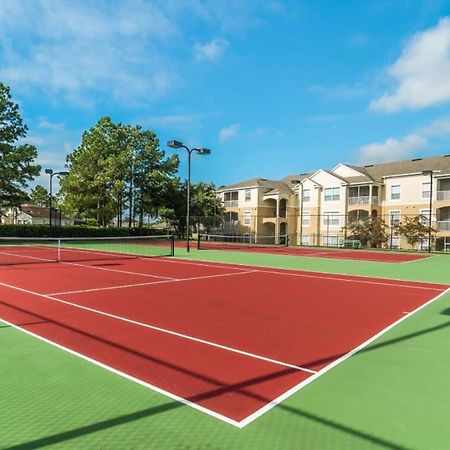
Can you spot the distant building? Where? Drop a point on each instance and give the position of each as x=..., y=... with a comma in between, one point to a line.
x=29, y=214
x=315, y=208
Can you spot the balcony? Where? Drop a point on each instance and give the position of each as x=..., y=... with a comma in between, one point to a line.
x=362, y=200
x=443, y=195
x=230, y=203
x=443, y=225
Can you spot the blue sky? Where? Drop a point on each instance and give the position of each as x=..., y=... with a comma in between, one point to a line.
x=272, y=87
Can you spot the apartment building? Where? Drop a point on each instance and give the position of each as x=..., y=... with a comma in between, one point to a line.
x=314, y=208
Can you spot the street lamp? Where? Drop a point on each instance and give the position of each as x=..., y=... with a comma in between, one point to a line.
x=52, y=174
x=199, y=151
x=430, y=173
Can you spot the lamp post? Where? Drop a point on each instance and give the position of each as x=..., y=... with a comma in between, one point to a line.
x=52, y=174
x=199, y=151
x=430, y=173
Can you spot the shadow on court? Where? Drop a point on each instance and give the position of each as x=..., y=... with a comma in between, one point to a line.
x=219, y=390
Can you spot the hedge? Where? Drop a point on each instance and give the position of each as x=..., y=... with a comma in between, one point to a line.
x=20, y=230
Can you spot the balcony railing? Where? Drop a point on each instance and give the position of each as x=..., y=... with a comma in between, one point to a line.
x=228, y=203
x=443, y=225
x=443, y=195
x=362, y=200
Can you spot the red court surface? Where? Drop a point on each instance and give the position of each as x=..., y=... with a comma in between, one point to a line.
x=318, y=252
x=231, y=341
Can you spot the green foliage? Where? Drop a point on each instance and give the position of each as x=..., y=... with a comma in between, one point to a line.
x=205, y=208
x=40, y=196
x=116, y=167
x=9, y=230
x=415, y=230
x=17, y=166
x=371, y=232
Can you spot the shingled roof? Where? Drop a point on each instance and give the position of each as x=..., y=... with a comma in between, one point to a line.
x=416, y=165
x=369, y=173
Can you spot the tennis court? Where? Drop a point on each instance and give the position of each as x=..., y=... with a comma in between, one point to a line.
x=245, y=244
x=208, y=335
x=115, y=343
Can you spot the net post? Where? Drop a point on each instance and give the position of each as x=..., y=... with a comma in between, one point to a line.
x=58, y=258
x=287, y=240
x=172, y=245
x=198, y=241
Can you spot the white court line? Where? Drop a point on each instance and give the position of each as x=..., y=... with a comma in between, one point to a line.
x=330, y=366
x=128, y=377
x=315, y=274
x=163, y=330
x=172, y=280
x=108, y=269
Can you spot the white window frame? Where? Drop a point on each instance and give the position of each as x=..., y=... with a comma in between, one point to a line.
x=334, y=220
x=428, y=192
x=394, y=242
x=399, y=192
x=395, y=212
x=306, y=218
x=330, y=240
x=306, y=199
x=247, y=218
x=248, y=195
x=427, y=213
x=332, y=196
x=306, y=239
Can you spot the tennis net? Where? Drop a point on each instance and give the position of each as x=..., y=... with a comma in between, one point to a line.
x=34, y=250
x=239, y=242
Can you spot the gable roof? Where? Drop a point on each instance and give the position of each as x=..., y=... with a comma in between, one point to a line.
x=40, y=212
x=269, y=185
x=416, y=165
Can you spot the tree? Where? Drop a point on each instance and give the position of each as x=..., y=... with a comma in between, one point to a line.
x=206, y=208
x=371, y=232
x=17, y=166
x=116, y=167
x=415, y=230
x=40, y=196
x=95, y=174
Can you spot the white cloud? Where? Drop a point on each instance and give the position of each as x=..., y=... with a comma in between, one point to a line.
x=440, y=127
x=391, y=149
x=229, y=132
x=77, y=49
x=422, y=72
x=210, y=51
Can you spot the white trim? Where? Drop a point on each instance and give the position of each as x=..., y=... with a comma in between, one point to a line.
x=160, y=329
x=336, y=362
x=127, y=376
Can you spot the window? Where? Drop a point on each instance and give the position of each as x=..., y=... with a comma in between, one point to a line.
x=332, y=194
x=247, y=217
x=394, y=218
x=231, y=198
x=331, y=218
x=425, y=216
x=306, y=195
x=394, y=242
x=395, y=192
x=306, y=219
x=305, y=239
x=330, y=240
x=426, y=191
x=248, y=195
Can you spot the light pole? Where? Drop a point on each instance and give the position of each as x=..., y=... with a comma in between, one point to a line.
x=199, y=151
x=52, y=174
x=430, y=173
